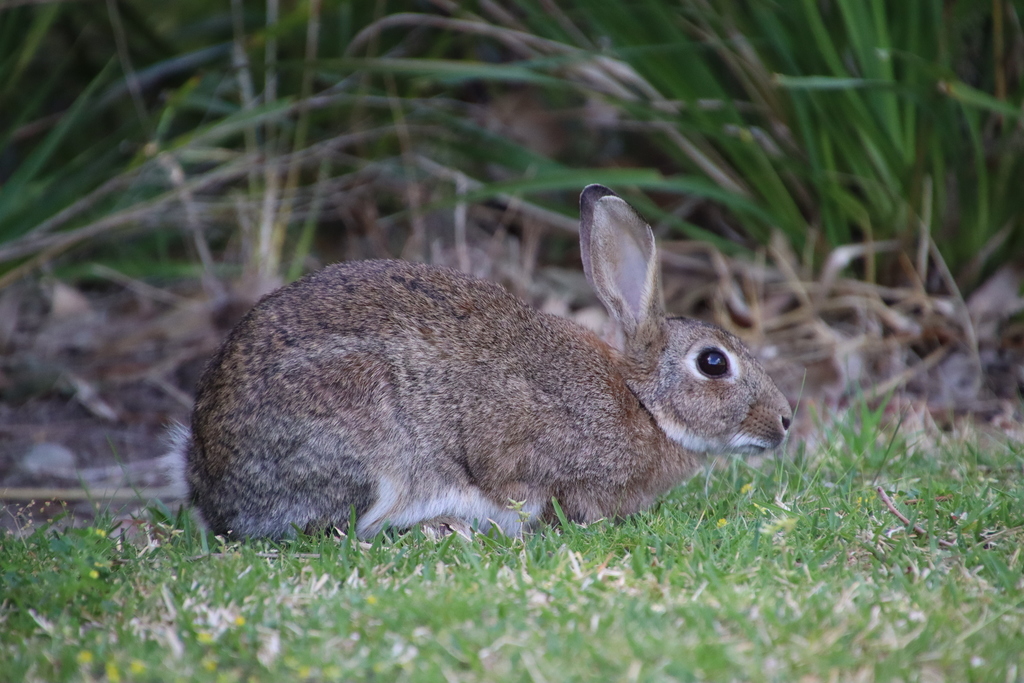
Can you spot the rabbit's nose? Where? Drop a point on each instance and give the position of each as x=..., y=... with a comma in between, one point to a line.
x=785, y=423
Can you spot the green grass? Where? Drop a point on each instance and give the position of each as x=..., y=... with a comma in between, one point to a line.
x=790, y=571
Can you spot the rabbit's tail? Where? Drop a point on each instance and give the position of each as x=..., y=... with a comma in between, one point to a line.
x=172, y=464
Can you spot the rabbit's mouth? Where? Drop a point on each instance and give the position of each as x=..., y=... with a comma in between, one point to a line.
x=741, y=449
x=737, y=444
x=748, y=449
x=746, y=444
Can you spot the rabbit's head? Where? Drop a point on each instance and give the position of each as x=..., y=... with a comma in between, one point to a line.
x=702, y=386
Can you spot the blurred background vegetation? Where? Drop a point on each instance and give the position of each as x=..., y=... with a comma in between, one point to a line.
x=807, y=142
x=162, y=139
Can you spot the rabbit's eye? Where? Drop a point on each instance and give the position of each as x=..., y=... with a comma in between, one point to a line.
x=713, y=362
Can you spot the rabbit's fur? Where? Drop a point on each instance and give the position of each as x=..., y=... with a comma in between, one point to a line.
x=400, y=394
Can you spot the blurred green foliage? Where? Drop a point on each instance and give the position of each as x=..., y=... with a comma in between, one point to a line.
x=826, y=122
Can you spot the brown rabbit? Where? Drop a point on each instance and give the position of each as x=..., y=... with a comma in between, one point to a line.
x=406, y=394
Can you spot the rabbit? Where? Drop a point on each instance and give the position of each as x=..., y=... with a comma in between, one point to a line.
x=398, y=394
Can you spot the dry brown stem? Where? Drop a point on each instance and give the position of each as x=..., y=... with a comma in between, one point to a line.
x=906, y=522
x=121, y=493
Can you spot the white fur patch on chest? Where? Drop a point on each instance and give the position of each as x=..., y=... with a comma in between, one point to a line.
x=404, y=509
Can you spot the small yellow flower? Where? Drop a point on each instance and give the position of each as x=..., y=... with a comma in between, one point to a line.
x=722, y=522
x=94, y=574
x=84, y=657
x=747, y=488
x=101, y=533
x=239, y=621
x=209, y=664
x=304, y=672
x=113, y=675
x=136, y=667
x=371, y=599
x=204, y=638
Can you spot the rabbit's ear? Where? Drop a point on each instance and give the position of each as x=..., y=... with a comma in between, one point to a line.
x=619, y=258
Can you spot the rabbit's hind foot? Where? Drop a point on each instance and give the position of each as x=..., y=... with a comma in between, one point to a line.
x=437, y=528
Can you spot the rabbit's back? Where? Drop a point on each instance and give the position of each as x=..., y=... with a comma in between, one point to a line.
x=399, y=391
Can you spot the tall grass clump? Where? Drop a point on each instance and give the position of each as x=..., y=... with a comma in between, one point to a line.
x=251, y=131
x=831, y=123
x=212, y=136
